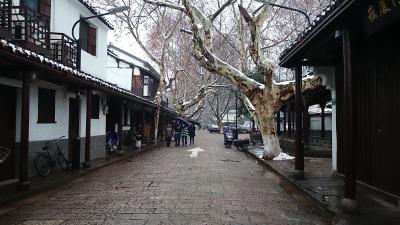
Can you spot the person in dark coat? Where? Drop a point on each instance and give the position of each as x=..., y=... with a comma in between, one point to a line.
x=177, y=136
x=168, y=134
x=192, y=134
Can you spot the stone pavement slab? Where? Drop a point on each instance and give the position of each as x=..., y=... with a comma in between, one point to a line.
x=166, y=186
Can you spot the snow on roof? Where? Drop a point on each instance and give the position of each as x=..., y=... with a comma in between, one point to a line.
x=93, y=10
x=44, y=60
x=131, y=59
x=320, y=18
x=315, y=109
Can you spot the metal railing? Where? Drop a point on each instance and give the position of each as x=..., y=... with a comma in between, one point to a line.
x=5, y=14
x=63, y=49
x=30, y=26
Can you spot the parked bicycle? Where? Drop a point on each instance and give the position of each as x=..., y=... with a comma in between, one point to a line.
x=44, y=161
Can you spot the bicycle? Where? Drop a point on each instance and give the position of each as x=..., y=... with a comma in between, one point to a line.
x=44, y=161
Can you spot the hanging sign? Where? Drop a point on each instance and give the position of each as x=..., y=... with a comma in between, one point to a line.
x=378, y=14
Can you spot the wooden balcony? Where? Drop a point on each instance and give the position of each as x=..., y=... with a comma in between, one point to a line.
x=63, y=49
x=5, y=19
x=31, y=30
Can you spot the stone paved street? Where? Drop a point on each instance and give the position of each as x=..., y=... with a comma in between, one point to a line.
x=166, y=186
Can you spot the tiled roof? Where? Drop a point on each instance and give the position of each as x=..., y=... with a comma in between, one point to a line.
x=79, y=74
x=328, y=11
x=93, y=10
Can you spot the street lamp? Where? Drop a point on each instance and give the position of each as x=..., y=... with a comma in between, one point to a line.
x=78, y=41
x=286, y=7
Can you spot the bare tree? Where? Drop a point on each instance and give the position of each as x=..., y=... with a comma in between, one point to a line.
x=219, y=104
x=265, y=97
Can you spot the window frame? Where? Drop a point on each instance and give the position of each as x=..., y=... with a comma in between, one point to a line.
x=46, y=110
x=95, y=111
x=146, y=86
x=88, y=37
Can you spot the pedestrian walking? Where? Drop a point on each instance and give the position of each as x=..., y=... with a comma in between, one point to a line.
x=192, y=134
x=184, y=135
x=168, y=134
x=177, y=135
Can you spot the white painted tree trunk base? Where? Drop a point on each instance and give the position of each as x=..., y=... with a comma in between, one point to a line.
x=272, y=147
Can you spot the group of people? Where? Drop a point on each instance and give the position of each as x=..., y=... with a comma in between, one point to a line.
x=181, y=132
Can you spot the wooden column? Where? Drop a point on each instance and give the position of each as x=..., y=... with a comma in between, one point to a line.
x=86, y=164
x=322, y=105
x=299, y=150
x=290, y=119
x=284, y=120
x=142, y=123
x=120, y=121
x=348, y=203
x=278, y=123
x=76, y=156
x=306, y=122
x=24, y=145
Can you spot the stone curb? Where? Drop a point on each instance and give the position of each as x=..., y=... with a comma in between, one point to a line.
x=294, y=183
x=20, y=200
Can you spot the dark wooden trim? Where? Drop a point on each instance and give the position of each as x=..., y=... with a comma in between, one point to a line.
x=59, y=74
x=120, y=121
x=299, y=150
x=278, y=123
x=348, y=136
x=289, y=56
x=322, y=106
x=88, y=125
x=24, y=147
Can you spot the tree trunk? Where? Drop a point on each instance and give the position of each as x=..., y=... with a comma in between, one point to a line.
x=265, y=118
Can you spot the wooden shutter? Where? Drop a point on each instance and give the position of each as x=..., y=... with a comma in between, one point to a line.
x=92, y=40
x=45, y=7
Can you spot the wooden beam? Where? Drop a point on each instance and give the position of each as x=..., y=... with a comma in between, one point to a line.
x=348, y=136
x=88, y=127
x=299, y=150
x=24, y=146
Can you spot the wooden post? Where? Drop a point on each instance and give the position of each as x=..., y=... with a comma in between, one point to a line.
x=322, y=105
x=306, y=122
x=24, y=145
x=299, y=150
x=120, y=121
x=278, y=122
x=86, y=164
x=290, y=119
x=76, y=158
x=348, y=203
x=142, y=122
x=284, y=120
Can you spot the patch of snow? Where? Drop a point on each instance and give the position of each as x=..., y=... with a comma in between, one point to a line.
x=283, y=156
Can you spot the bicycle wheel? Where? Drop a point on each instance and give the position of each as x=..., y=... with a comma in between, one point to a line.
x=62, y=161
x=42, y=165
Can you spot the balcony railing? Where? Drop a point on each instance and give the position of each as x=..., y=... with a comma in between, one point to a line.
x=31, y=29
x=63, y=49
x=5, y=19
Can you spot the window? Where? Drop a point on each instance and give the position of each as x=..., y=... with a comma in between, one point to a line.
x=146, y=86
x=87, y=36
x=46, y=105
x=127, y=121
x=95, y=106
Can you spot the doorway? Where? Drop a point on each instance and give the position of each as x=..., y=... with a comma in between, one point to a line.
x=73, y=131
x=7, y=131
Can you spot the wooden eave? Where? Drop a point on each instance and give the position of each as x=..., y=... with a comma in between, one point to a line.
x=65, y=76
x=294, y=56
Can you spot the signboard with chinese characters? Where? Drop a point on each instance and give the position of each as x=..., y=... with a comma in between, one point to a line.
x=378, y=14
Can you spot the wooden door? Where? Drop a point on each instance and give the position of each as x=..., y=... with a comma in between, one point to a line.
x=73, y=126
x=7, y=130
x=386, y=157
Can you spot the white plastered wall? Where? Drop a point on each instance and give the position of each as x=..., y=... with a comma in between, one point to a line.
x=121, y=74
x=64, y=13
x=328, y=75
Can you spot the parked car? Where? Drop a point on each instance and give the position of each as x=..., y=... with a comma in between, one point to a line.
x=214, y=128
